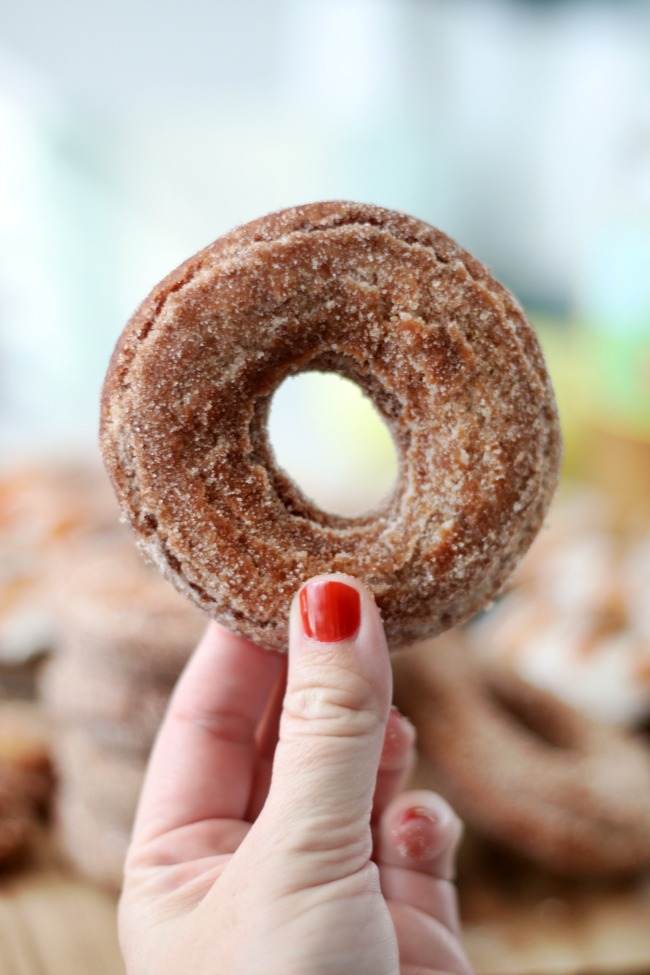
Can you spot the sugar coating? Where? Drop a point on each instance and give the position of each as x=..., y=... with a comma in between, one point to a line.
x=442, y=349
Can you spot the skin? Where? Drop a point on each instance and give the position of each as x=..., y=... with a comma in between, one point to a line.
x=273, y=835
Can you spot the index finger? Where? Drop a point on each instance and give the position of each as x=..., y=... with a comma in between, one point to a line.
x=203, y=762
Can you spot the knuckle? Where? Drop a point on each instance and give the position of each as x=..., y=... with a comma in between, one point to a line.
x=345, y=707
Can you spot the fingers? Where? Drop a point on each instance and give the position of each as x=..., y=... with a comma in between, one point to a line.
x=396, y=762
x=333, y=721
x=418, y=839
x=203, y=762
x=426, y=945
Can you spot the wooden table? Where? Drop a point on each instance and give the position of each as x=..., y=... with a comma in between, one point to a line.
x=54, y=924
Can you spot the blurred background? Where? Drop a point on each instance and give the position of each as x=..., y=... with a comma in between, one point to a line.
x=134, y=134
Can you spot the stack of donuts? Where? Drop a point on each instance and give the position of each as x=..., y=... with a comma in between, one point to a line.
x=26, y=781
x=44, y=506
x=123, y=637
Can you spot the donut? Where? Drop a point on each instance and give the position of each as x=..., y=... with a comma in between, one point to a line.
x=121, y=711
x=107, y=779
x=577, y=621
x=387, y=301
x=525, y=769
x=90, y=843
x=17, y=818
x=44, y=507
x=112, y=607
x=25, y=751
x=26, y=779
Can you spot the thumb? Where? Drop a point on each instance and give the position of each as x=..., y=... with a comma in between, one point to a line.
x=333, y=720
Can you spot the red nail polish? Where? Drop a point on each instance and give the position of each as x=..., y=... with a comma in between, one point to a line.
x=418, y=814
x=330, y=610
x=416, y=834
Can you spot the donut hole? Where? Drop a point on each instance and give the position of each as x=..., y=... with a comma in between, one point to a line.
x=328, y=436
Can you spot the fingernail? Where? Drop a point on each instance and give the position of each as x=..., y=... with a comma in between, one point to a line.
x=397, y=714
x=330, y=611
x=399, y=724
x=416, y=834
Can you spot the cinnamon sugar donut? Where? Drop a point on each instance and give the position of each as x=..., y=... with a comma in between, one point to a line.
x=442, y=349
x=522, y=767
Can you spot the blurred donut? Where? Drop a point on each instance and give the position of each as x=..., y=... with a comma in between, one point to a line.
x=389, y=302
x=119, y=709
x=576, y=622
x=26, y=778
x=111, y=606
x=569, y=792
x=109, y=780
x=91, y=844
x=44, y=507
x=26, y=751
x=17, y=817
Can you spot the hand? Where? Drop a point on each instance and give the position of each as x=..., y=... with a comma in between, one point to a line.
x=320, y=868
